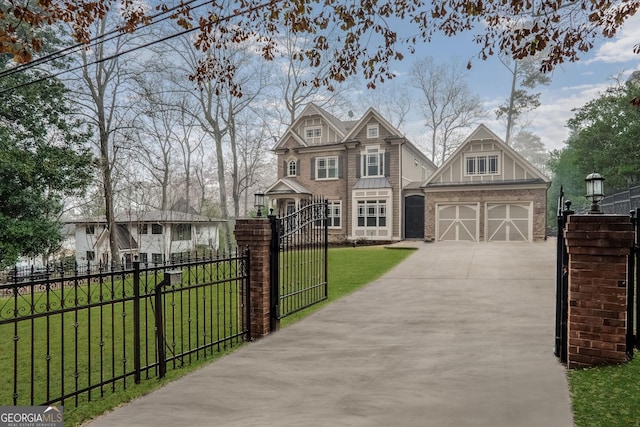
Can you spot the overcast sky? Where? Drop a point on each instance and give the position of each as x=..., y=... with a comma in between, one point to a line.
x=572, y=84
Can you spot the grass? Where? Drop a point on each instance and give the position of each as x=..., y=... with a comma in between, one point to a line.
x=349, y=269
x=606, y=396
x=61, y=351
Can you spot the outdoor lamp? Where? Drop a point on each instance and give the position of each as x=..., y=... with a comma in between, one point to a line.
x=595, y=191
x=259, y=203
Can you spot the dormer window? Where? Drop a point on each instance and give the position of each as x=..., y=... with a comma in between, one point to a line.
x=292, y=168
x=372, y=131
x=313, y=135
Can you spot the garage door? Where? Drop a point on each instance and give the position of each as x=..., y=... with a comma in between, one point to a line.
x=457, y=222
x=509, y=222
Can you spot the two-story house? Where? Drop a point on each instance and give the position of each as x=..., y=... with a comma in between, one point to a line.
x=152, y=236
x=369, y=172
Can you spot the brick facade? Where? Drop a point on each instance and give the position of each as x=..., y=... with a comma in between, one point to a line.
x=598, y=246
x=538, y=196
x=255, y=234
x=348, y=141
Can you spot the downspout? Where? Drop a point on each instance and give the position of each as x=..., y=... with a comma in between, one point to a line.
x=347, y=202
x=400, y=195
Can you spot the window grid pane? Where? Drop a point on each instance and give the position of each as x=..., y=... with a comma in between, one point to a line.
x=471, y=165
x=493, y=164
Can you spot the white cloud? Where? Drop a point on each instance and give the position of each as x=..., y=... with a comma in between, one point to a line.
x=620, y=49
x=557, y=108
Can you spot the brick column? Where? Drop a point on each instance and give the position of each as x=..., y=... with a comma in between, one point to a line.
x=256, y=234
x=598, y=246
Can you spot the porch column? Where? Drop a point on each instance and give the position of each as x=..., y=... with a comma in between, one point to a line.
x=598, y=247
x=255, y=233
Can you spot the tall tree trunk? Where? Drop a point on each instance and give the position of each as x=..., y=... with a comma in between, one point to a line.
x=235, y=185
x=105, y=166
x=510, y=113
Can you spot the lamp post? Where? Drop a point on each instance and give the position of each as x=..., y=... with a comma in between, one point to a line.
x=595, y=191
x=258, y=203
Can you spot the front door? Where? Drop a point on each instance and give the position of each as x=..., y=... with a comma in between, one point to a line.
x=414, y=217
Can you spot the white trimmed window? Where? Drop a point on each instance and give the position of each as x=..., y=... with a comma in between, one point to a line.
x=292, y=168
x=372, y=131
x=335, y=214
x=313, y=135
x=373, y=162
x=372, y=213
x=327, y=167
x=486, y=164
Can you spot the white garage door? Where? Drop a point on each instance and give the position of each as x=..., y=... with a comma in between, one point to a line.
x=509, y=222
x=457, y=222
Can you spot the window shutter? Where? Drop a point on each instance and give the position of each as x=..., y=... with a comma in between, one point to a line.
x=297, y=167
x=358, y=166
x=285, y=170
x=387, y=163
x=340, y=167
x=313, y=168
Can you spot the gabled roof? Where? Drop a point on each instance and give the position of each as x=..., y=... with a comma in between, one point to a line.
x=371, y=112
x=482, y=133
x=154, y=216
x=286, y=186
x=311, y=109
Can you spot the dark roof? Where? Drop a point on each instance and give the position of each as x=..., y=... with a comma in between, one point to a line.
x=365, y=183
x=152, y=217
x=485, y=183
x=182, y=206
x=124, y=239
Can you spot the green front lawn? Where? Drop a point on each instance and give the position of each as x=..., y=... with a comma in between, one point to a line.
x=607, y=396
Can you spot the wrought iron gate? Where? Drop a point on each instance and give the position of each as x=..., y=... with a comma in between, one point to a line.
x=633, y=297
x=562, y=280
x=562, y=285
x=298, y=259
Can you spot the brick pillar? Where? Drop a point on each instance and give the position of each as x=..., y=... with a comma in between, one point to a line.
x=256, y=234
x=598, y=246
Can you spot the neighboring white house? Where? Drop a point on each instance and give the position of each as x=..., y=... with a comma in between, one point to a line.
x=152, y=236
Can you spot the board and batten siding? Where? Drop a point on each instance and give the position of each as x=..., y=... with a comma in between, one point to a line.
x=509, y=168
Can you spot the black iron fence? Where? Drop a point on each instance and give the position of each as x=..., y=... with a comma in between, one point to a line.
x=298, y=258
x=622, y=202
x=562, y=280
x=67, y=337
x=633, y=294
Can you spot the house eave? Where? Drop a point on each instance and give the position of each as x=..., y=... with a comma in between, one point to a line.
x=474, y=186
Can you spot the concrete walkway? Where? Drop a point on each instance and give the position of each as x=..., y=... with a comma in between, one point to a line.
x=457, y=335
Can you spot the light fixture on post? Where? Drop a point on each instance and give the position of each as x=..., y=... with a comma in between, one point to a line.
x=595, y=191
x=259, y=203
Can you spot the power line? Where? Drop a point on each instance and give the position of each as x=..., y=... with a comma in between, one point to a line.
x=115, y=33
x=151, y=43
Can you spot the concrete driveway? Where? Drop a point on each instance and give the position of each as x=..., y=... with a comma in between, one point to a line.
x=458, y=335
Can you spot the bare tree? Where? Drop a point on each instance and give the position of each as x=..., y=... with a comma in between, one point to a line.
x=392, y=100
x=531, y=148
x=294, y=77
x=100, y=90
x=255, y=164
x=448, y=106
x=215, y=111
x=525, y=74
